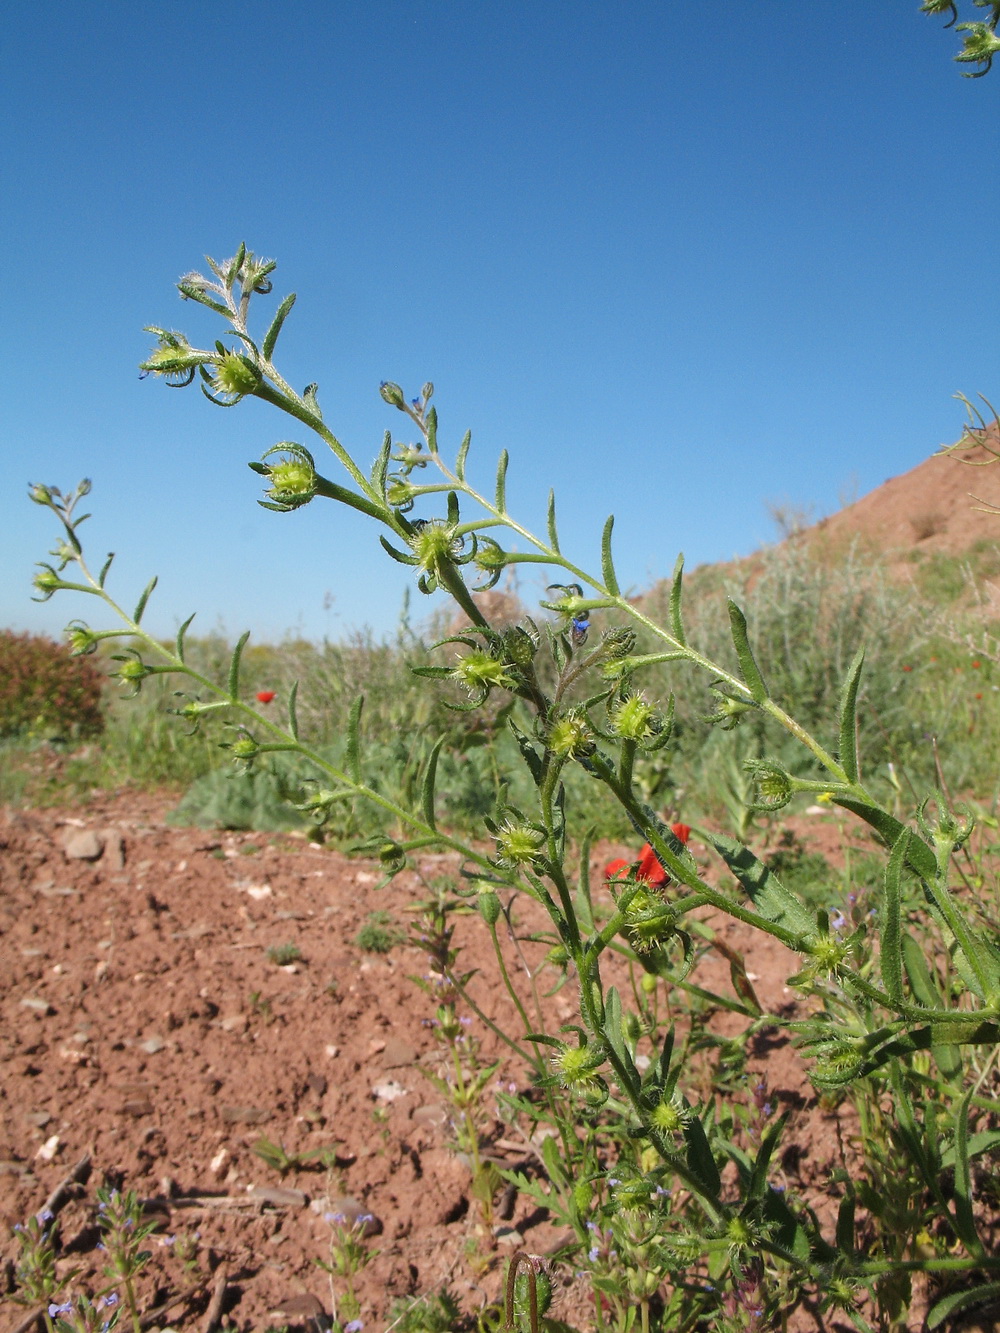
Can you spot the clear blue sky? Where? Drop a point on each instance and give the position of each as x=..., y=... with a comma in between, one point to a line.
x=680, y=259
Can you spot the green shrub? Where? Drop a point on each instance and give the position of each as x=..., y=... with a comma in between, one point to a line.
x=44, y=692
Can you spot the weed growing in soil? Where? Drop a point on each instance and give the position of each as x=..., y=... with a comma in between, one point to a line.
x=648, y=1140
x=379, y=934
x=284, y=954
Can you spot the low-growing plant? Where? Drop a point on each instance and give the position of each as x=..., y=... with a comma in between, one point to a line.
x=666, y=1169
x=45, y=693
x=284, y=954
x=379, y=933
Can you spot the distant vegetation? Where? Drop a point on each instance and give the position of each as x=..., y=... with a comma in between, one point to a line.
x=925, y=682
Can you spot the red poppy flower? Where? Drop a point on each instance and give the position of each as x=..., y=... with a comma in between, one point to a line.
x=648, y=867
x=977, y=665
x=265, y=696
x=907, y=668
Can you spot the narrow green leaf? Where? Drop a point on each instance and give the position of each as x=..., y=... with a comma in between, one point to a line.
x=553, y=533
x=462, y=455
x=919, y=976
x=501, y=500
x=180, y=636
x=919, y=856
x=104, y=569
x=985, y=1141
x=769, y=896
x=961, y=1300
x=676, y=621
x=758, y=1177
x=432, y=672
x=311, y=401
x=964, y=1222
x=141, y=604
x=553, y=1162
x=380, y=467
x=890, y=935
x=613, y=1027
x=234, y=666
x=607, y=562
x=331, y=490
x=271, y=337
x=848, y=718
x=427, y=787
x=699, y=1157
x=751, y=672
x=846, y=1238
x=398, y=556
x=293, y=720
x=236, y=263
x=193, y=293
x=431, y=423
x=352, y=755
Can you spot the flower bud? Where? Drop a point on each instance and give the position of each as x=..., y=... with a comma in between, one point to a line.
x=519, y=648
x=392, y=394
x=235, y=376
x=570, y=736
x=41, y=495
x=649, y=921
x=489, y=905
x=480, y=672
x=619, y=642
x=670, y=1115
x=522, y=1291
x=82, y=639
x=518, y=844
x=244, y=748
x=632, y=718
x=46, y=582
x=577, y=1066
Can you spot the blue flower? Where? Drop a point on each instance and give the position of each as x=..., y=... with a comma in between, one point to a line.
x=60, y=1309
x=355, y=1326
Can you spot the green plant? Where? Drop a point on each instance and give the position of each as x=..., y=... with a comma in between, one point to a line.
x=378, y=934
x=44, y=692
x=276, y=1156
x=284, y=954
x=673, y=1172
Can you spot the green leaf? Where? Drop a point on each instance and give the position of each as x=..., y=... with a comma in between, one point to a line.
x=918, y=856
x=501, y=499
x=961, y=1300
x=607, y=563
x=769, y=896
x=293, y=720
x=196, y=294
x=146, y=593
x=676, y=622
x=985, y=1141
x=271, y=337
x=234, y=667
x=921, y=982
x=845, y=1225
x=352, y=755
x=398, y=556
x=699, y=1157
x=614, y=1034
x=964, y=1222
x=891, y=943
x=431, y=424
x=551, y=520
x=104, y=571
x=848, y=718
x=758, y=1177
x=380, y=467
x=427, y=787
x=180, y=636
x=748, y=666
x=463, y=453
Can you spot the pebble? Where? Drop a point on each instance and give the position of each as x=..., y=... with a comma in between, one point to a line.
x=39, y=1006
x=508, y=1236
x=389, y=1091
x=277, y=1197
x=219, y=1162
x=298, y=1310
x=83, y=846
x=152, y=1045
x=431, y=1114
x=48, y=1149
x=245, y=1115
x=398, y=1053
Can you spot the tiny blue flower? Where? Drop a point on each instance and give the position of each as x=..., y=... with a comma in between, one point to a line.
x=46, y=1215
x=60, y=1309
x=355, y=1326
x=592, y=1254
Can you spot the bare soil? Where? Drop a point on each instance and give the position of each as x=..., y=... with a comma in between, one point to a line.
x=143, y=1023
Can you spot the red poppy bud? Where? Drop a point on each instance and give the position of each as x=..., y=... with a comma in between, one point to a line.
x=681, y=832
x=907, y=668
x=265, y=696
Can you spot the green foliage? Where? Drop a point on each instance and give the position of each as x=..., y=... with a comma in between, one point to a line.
x=379, y=933
x=44, y=692
x=655, y=1151
x=283, y=954
x=434, y=1312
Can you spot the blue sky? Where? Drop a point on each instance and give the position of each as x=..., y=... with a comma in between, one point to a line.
x=681, y=260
